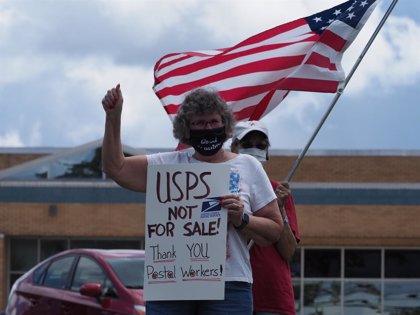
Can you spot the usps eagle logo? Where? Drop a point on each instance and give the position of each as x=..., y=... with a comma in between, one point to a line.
x=211, y=207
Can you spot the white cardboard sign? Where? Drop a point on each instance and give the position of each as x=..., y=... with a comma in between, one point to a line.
x=185, y=232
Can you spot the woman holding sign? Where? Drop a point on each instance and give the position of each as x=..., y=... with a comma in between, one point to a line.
x=204, y=122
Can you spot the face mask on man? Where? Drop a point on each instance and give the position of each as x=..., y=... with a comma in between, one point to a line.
x=260, y=155
x=208, y=141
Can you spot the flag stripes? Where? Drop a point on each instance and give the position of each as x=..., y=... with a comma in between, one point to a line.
x=254, y=76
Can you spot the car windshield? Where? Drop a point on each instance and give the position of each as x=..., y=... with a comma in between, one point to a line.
x=129, y=270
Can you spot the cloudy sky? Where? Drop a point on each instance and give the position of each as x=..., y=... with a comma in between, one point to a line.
x=59, y=57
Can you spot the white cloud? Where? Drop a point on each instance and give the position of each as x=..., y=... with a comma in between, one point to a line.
x=143, y=119
x=403, y=40
x=20, y=68
x=11, y=139
x=150, y=18
x=35, y=137
x=391, y=61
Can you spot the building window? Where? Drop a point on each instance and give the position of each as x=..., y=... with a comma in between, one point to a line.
x=322, y=263
x=402, y=285
x=362, y=263
x=362, y=297
x=23, y=256
x=51, y=247
x=321, y=297
x=402, y=263
x=355, y=281
x=84, y=165
x=402, y=297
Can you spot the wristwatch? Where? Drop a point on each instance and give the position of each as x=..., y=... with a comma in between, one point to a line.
x=244, y=223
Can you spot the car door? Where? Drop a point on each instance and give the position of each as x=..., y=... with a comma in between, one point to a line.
x=45, y=296
x=86, y=271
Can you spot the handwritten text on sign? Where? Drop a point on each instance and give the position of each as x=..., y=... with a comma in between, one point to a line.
x=185, y=231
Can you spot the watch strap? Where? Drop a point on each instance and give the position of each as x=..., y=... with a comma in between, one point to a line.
x=244, y=223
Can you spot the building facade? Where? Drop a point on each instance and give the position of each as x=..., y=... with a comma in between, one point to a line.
x=357, y=211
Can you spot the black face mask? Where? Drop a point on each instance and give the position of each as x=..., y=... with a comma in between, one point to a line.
x=208, y=141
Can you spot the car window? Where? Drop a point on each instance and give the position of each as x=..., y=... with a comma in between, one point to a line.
x=88, y=271
x=129, y=270
x=38, y=273
x=57, y=273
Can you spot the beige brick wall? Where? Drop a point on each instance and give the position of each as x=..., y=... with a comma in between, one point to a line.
x=101, y=220
x=358, y=169
x=343, y=225
x=366, y=225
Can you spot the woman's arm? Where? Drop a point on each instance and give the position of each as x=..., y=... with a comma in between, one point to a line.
x=131, y=172
x=264, y=226
x=287, y=243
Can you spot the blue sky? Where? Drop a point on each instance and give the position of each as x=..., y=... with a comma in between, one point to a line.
x=58, y=58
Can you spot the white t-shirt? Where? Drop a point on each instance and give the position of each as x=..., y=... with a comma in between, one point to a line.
x=256, y=192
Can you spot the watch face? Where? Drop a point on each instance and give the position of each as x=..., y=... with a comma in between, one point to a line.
x=245, y=218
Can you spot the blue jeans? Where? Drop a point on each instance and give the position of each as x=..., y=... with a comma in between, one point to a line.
x=238, y=301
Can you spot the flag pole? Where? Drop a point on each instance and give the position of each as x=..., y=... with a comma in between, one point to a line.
x=340, y=91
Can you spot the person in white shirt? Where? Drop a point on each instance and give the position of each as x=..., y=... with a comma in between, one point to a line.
x=204, y=122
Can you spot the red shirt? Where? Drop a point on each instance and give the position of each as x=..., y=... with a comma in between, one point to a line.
x=272, y=287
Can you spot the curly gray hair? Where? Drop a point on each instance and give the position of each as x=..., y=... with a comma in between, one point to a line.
x=201, y=102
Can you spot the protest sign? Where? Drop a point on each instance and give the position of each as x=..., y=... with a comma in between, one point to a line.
x=185, y=232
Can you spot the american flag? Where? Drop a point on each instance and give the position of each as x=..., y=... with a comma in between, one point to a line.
x=254, y=76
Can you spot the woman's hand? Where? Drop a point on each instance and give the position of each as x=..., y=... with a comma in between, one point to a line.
x=282, y=192
x=113, y=100
x=235, y=208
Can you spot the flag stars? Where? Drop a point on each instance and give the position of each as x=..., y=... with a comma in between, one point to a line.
x=348, y=12
x=351, y=15
x=317, y=19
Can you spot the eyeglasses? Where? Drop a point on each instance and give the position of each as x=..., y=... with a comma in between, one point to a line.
x=261, y=145
x=202, y=124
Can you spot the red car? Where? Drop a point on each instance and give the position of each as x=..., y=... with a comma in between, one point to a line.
x=82, y=282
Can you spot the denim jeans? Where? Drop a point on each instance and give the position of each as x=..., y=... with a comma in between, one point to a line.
x=238, y=301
